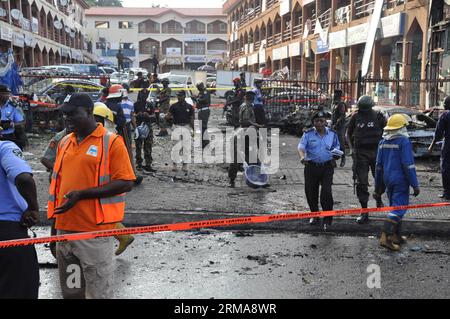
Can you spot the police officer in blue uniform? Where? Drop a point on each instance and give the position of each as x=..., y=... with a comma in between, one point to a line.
x=395, y=174
x=317, y=150
x=11, y=118
x=443, y=131
x=19, y=268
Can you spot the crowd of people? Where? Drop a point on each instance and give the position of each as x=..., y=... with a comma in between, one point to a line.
x=92, y=167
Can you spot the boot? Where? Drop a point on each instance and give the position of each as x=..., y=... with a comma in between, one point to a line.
x=386, y=236
x=397, y=237
x=342, y=161
x=124, y=240
x=149, y=169
x=138, y=180
x=326, y=223
x=232, y=184
x=314, y=221
x=363, y=219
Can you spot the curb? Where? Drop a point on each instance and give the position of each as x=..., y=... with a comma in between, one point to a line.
x=341, y=225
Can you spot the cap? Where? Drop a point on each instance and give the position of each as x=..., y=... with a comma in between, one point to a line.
x=319, y=114
x=181, y=93
x=76, y=100
x=236, y=80
x=4, y=89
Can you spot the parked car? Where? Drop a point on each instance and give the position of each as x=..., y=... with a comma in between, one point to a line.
x=108, y=70
x=421, y=128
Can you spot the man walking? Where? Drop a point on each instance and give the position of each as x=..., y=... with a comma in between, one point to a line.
x=443, y=132
x=395, y=173
x=164, y=105
x=364, y=132
x=19, y=269
x=317, y=150
x=339, y=111
x=258, y=103
x=203, y=102
x=91, y=175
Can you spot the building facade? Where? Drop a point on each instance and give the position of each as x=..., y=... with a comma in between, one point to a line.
x=44, y=32
x=325, y=40
x=180, y=38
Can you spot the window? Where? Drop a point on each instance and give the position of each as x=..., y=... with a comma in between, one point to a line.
x=126, y=46
x=102, y=45
x=101, y=24
x=223, y=27
x=125, y=25
x=194, y=48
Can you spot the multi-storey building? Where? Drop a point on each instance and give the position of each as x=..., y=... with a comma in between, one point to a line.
x=180, y=38
x=44, y=32
x=324, y=40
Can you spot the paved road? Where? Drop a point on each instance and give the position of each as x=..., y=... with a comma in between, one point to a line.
x=215, y=264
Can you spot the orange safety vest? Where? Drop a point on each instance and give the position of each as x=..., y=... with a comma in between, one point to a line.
x=108, y=210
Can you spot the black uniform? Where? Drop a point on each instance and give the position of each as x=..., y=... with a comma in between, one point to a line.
x=338, y=121
x=145, y=114
x=365, y=131
x=182, y=113
x=236, y=103
x=203, y=103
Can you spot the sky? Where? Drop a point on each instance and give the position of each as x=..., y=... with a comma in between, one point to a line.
x=175, y=3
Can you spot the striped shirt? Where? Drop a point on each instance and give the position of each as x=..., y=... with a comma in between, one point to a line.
x=128, y=108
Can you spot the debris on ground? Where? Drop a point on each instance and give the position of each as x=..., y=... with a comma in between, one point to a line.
x=243, y=233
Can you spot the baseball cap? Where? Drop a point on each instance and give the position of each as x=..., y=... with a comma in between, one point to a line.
x=76, y=100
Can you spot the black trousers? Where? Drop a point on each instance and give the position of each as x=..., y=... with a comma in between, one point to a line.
x=365, y=160
x=319, y=178
x=203, y=115
x=19, y=268
x=445, y=169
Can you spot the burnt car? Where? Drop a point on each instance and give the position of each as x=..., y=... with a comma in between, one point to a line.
x=420, y=129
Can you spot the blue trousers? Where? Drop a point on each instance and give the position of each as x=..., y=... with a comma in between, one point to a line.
x=445, y=169
x=398, y=195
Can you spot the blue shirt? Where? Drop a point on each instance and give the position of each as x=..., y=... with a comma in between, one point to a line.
x=128, y=108
x=318, y=148
x=395, y=163
x=258, y=101
x=12, y=204
x=11, y=114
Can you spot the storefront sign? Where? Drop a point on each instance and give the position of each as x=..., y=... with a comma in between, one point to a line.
x=295, y=49
x=18, y=40
x=215, y=60
x=285, y=7
x=173, y=61
x=6, y=34
x=393, y=25
x=322, y=47
x=284, y=52
x=253, y=59
x=173, y=51
x=337, y=40
x=26, y=24
x=276, y=54
x=195, y=38
x=358, y=34
x=242, y=62
x=195, y=59
x=30, y=41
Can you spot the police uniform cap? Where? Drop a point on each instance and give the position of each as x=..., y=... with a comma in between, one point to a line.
x=319, y=114
x=181, y=93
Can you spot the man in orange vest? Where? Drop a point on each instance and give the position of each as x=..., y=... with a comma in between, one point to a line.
x=91, y=175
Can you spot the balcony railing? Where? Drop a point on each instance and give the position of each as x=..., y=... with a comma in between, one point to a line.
x=277, y=38
x=287, y=34
x=297, y=31
x=343, y=15
x=324, y=19
x=256, y=45
x=270, y=3
x=269, y=41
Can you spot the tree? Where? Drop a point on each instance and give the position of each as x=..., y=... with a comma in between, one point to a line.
x=104, y=3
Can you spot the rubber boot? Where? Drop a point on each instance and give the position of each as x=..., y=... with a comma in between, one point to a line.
x=124, y=240
x=397, y=237
x=386, y=236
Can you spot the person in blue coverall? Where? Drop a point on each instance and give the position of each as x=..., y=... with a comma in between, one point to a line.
x=443, y=132
x=258, y=103
x=395, y=174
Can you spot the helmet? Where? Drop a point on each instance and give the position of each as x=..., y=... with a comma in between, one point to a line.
x=365, y=102
x=236, y=80
x=447, y=103
x=395, y=122
x=116, y=91
x=165, y=80
x=102, y=110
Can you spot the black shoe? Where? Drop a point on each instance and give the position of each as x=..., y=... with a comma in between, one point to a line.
x=231, y=184
x=363, y=219
x=326, y=223
x=138, y=180
x=149, y=169
x=314, y=221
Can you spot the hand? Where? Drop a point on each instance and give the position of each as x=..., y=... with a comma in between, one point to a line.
x=29, y=218
x=72, y=199
x=376, y=196
x=416, y=191
x=430, y=149
x=304, y=161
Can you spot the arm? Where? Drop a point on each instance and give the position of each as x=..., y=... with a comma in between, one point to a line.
x=302, y=148
x=439, y=133
x=379, y=178
x=350, y=130
x=27, y=189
